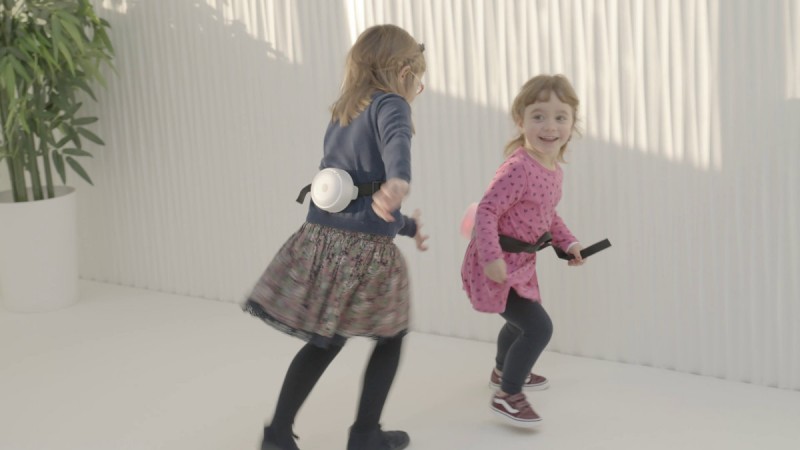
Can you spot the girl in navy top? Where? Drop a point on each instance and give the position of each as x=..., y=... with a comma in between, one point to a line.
x=340, y=274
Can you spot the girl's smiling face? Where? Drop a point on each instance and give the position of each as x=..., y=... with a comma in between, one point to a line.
x=547, y=126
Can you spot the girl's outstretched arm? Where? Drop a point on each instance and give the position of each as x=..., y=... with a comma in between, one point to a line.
x=419, y=238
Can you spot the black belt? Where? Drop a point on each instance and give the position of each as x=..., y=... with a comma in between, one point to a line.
x=513, y=245
x=364, y=190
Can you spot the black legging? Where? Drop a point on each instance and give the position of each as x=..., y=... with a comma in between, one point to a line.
x=309, y=364
x=522, y=339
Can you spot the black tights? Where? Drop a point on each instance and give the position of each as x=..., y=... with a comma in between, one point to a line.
x=310, y=363
x=522, y=339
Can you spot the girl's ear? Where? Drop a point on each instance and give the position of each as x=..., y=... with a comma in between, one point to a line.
x=403, y=72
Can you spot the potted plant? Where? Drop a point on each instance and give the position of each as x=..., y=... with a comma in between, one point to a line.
x=51, y=52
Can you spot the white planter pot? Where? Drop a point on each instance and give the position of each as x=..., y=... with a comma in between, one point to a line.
x=38, y=252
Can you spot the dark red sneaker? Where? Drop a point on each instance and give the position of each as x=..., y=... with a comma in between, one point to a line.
x=532, y=383
x=515, y=409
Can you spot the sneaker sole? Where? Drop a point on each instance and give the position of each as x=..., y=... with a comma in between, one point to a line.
x=511, y=420
x=537, y=387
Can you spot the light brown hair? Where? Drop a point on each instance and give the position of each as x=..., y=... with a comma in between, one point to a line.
x=374, y=64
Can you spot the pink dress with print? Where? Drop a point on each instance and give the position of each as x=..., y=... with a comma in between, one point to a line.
x=520, y=202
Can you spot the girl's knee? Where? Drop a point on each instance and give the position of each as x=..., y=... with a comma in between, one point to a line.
x=539, y=332
x=547, y=332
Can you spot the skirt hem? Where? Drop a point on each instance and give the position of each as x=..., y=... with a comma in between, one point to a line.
x=254, y=308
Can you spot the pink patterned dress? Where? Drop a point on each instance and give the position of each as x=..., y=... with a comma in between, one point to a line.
x=520, y=202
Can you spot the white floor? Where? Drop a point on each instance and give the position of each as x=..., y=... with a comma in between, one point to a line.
x=133, y=369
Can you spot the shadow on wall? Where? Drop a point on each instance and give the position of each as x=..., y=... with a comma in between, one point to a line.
x=189, y=150
x=689, y=244
x=697, y=280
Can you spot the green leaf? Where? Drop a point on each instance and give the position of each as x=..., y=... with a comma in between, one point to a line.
x=76, y=152
x=20, y=70
x=100, y=78
x=22, y=120
x=101, y=33
x=50, y=138
x=79, y=170
x=70, y=108
x=89, y=69
x=58, y=161
x=10, y=120
x=44, y=50
x=90, y=136
x=84, y=121
x=9, y=79
x=72, y=30
x=63, y=141
x=71, y=134
x=64, y=51
x=22, y=56
x=55, y=27
x=84, y=86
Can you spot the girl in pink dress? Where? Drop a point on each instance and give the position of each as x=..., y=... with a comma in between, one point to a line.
x=520, y=204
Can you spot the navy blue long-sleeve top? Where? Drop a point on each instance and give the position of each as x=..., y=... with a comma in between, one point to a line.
x=375, y=146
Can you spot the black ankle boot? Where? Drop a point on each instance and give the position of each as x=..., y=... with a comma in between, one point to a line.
x=376, y=439
x=275, y=441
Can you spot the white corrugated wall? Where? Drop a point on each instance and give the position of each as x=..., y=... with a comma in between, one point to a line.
x=688, y=161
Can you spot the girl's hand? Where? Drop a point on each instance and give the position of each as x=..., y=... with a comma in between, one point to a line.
x=496, y=271
x=419, y=238
x=388, y=199
x=575, y=250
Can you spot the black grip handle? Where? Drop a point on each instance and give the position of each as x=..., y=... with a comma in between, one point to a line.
x=585, y=253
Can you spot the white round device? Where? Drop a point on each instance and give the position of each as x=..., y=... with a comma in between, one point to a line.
x=332, y=189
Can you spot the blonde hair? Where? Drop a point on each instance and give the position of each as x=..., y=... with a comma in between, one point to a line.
x=374, y=64
x=538, y=89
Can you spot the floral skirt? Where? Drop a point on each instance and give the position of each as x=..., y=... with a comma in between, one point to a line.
x=327, y=284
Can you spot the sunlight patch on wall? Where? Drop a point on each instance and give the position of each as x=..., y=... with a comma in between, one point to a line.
x=275, y=22
x=647, y=77
x=644, y=71
x=356, y=19
x=362, y=14
x=460, y=40
x=792, y=32
x=120, y=6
